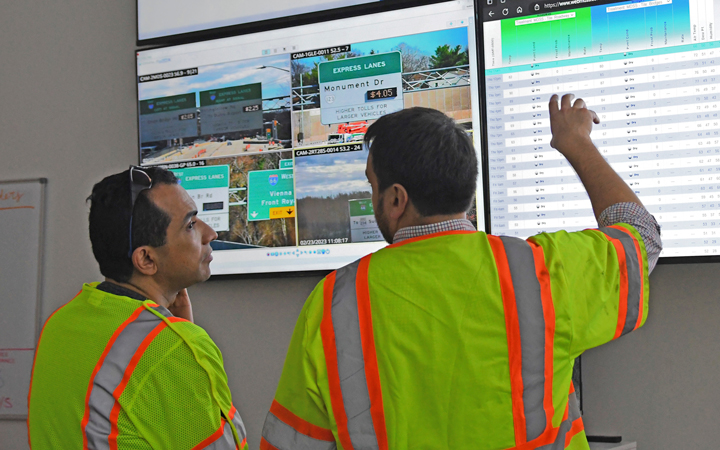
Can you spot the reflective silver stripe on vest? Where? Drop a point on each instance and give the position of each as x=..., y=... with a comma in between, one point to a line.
x=110, y=375
x=634, y=277
x=532, y=332
x=239, y=426
x=284, y=437
x=162, y=310
x=573, y=414
x=226, y=441
x=351, y=366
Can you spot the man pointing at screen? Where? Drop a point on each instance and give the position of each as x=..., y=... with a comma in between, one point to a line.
x=450, y=338
x=122, y=365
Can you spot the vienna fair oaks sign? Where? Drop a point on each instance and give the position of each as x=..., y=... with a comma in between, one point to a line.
x=361, y=88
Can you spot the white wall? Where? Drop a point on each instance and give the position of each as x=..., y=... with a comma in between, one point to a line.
x=660, y=385
x=67, y=112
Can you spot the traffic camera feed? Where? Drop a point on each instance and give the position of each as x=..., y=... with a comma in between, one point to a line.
x=265, y=131
x=221, y=109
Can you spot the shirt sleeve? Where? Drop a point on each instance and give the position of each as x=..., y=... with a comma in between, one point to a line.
x=642, y=221
x=298, y=416
x=599, y=283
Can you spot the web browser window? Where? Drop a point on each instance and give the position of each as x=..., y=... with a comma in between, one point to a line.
x=265, y=130
x=650, y=71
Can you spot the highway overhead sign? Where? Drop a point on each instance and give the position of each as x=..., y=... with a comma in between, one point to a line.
x=361, y=88
x=208, y=186
x=271, y=194
x=237, y=108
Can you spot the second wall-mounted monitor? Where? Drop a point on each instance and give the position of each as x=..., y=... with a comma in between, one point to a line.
x=163, y=18
x=650, y=71
x=265, y=130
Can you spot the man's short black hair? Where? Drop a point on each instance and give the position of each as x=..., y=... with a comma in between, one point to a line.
x=429, y=155
x=110, y=220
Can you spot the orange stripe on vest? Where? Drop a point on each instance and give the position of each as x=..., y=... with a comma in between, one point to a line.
x=299, y=424
x=513, y=336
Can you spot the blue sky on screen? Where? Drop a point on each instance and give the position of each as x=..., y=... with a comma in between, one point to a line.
x=275, y=82
x=330, y=175
x=425, y=42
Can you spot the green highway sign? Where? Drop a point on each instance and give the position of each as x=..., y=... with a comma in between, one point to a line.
x=360, y=67
x=286, y=163
x=203, y=177
x=231, y=94
x=362, y=88
x=363, y=226
x=362, y=207
x=271, y=194
x=167, y=104
x=168, y=118
x=231, y=109
x=208, y=186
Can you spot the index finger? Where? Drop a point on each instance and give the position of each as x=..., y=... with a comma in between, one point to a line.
x=554, y=104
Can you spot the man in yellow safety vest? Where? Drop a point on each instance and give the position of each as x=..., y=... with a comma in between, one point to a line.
x=450, y=338
x=122, y=365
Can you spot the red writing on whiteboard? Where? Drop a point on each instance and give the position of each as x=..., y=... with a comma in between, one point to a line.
x=11, y=195
x=6, y=402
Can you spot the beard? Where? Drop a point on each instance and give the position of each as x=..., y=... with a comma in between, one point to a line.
x=382, y=222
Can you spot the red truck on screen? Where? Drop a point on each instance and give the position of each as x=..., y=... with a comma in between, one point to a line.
x=348, y=132
x=353, y=127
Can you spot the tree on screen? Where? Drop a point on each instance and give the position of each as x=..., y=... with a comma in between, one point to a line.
x=449, y=57
x=413, y=59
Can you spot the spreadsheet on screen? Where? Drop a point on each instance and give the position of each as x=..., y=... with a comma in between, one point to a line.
x=649, y=70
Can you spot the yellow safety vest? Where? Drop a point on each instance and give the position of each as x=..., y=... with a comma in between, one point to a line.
x=457, y=340
x=113, y=372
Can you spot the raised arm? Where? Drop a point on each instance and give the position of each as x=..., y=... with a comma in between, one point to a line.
x=571, y=124
x=612, y=199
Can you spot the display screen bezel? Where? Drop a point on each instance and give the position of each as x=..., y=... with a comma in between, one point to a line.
x=312, y=272
x=481, y=8
x=272, y=24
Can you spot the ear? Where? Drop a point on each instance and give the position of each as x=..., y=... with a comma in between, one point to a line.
x=397, y=200
x=144, y=260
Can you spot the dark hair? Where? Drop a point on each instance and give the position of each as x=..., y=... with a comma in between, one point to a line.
x=429, y=155
x=110, y=220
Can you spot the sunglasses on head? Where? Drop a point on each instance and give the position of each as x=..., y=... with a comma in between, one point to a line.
x=139, y=181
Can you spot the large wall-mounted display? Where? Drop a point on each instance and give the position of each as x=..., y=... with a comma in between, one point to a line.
x=650, y=71
x=162, y=18
x=265, y=130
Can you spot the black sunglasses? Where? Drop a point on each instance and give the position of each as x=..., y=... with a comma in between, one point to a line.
x=139, y=181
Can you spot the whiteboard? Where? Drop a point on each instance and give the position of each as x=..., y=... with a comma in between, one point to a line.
x=21, y=245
